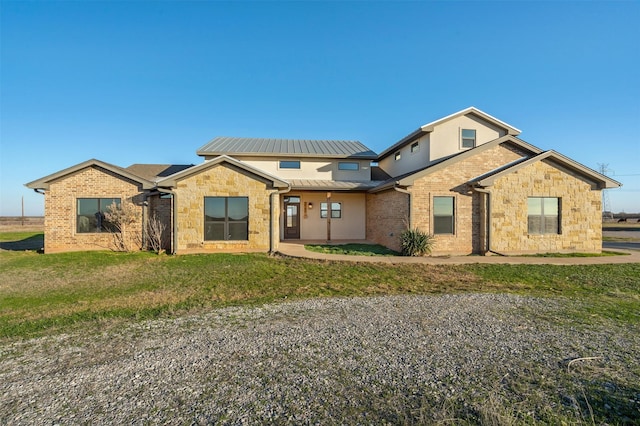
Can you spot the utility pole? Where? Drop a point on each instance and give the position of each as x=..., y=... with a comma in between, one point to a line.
x=22, y=217
x=606, y=208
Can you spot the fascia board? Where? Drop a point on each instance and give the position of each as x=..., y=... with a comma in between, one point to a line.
x=170, y=181
x=43, y=183
x=605, y=182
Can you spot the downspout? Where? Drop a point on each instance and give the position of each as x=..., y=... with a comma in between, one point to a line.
x=174, y=219
x=272, y=238
x=404, y=191
x=37, y=190
x=486, y=212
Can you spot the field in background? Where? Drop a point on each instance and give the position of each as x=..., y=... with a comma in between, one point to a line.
x=21, y=224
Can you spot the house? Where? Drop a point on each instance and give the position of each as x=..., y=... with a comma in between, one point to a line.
x=466, y=178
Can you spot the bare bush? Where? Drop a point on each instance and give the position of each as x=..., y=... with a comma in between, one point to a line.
x=155, y=231
x=121, y=217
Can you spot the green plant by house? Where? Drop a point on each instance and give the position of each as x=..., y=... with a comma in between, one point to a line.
x=415, y=242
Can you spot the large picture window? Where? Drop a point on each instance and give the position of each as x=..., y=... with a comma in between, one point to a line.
x=226, y=218
x=443, y=215
x=336, y=210
x=90, y=214
x=543, y=215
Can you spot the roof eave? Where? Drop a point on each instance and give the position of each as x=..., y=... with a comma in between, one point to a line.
x=44, y=182
x=170, y=181
x=371, y=156
x=602, y=181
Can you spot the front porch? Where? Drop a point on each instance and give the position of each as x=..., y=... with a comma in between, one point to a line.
x=319, y=216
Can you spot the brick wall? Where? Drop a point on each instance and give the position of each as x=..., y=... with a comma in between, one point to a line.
x=451, y=181
x=223, y=180
x=161, y=209
x=387, y=217
x=61, y=209
x=581, y=227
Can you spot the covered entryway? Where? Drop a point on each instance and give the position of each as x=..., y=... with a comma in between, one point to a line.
x=292, y=218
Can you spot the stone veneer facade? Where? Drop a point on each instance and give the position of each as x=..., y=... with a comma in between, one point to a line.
x=450, y=181
x=223, y=180
x=580, y=211
x=60, y=209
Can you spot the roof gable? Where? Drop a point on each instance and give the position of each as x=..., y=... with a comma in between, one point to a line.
x=429, y=127
x=286, y=147
x=601, y=180
x=409, y=178
x=170, y=181
x=43, y=183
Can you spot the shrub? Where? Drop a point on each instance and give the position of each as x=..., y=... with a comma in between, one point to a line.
x=414, y=242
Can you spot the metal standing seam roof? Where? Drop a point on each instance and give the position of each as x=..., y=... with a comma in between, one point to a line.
x=224, y=145
x=331, y=185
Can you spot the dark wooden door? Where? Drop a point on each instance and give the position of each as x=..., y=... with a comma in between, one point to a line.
x=292, y=218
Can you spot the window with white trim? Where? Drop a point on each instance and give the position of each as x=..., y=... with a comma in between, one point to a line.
x=415, y=147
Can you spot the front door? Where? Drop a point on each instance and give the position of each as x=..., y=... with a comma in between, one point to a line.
x=291, y=218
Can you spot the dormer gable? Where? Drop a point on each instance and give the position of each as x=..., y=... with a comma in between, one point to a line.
x=442, y=138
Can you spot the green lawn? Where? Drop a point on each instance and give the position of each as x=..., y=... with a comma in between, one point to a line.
x=353, y=249
x=44, y=294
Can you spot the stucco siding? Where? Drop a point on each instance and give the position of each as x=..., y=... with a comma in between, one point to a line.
x=61, y=210
x=446, y=141
x=222, y=180
x=351, y=226
x=409, y=161
x=311, y=168
x=580, y=211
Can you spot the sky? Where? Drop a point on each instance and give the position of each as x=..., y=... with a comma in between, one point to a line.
x=152, y=81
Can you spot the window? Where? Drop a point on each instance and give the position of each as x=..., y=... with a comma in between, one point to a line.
x=336, y=210
x=543, y=215
x=226, y=218
x=90, y=215
x=443, y=215
x=348, y=165
x=289, y=164
x=415, y=147
x=398, y=156
x=468, y=138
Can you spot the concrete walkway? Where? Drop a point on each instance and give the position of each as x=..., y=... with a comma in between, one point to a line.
x=296, y=249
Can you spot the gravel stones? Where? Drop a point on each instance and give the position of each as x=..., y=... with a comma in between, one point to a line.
x=394, y=359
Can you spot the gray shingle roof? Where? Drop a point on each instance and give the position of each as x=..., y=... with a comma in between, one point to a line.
x=154, y=171
x=286, y=147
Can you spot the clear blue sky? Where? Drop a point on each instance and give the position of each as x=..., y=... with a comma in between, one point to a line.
x=150, y=82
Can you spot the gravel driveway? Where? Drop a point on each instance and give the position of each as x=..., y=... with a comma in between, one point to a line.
x=401, y=359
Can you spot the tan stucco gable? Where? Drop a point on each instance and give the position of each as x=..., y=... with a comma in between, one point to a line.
x=474, y=112
x=509, y=141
